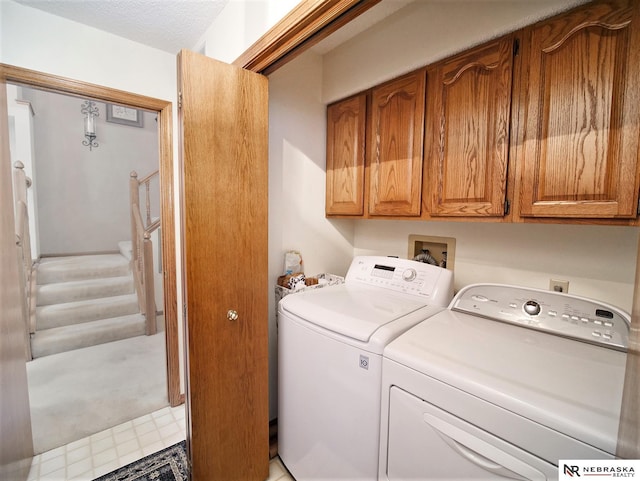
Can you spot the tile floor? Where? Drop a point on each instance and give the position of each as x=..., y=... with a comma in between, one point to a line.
x=101, y=453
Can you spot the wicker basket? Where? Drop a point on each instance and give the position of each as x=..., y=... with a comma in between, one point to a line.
x=331, y=279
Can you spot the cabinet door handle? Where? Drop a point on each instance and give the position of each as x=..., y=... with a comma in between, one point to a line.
x=232, y=315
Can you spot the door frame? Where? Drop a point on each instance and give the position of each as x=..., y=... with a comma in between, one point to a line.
x=16, y=444
x=76, y=88
x=307, y=24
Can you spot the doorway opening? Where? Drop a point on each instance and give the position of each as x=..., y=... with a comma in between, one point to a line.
x=154, y=111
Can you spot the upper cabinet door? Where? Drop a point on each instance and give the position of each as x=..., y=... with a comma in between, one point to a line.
x=395, y=146
x=581, y=97
x=346, y=122
x=467, y=133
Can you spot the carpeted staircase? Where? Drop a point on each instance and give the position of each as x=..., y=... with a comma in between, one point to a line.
x=84, y=301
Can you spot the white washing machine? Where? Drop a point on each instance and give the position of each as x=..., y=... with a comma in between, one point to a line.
x=330, y=344
x=504, y=384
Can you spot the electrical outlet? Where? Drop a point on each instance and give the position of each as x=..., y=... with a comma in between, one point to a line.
x=558, y=286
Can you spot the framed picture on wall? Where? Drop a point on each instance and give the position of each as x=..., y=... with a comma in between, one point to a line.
x=124, y=115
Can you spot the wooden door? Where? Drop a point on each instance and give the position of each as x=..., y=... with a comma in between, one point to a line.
x=395, y=146
x=16, y=445
x=580, y=123
x=467, y=132
x=224, y=118
x=346, y=122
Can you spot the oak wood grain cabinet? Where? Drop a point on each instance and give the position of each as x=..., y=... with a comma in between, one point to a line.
x=394, y=146
x=579, y=107
x=467, y=132
x=346, y=121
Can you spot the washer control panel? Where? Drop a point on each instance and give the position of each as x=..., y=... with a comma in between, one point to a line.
x=556, y=313
x=403, y=275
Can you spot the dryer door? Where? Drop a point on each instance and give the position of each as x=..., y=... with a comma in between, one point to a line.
x=426, y=442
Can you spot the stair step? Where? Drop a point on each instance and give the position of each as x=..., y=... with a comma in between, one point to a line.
x=67, y=338
x=57, y=315
x=126, y=249
x=75, y=268
x=62, y=292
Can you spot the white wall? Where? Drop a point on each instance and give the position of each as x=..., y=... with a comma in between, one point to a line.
x=297, y=185
x=598, y=261
x=83, y=195
x=240, y=24
x=40, y=41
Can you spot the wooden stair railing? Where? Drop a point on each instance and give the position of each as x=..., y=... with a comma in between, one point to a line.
x=142, y=249
x=23, y=244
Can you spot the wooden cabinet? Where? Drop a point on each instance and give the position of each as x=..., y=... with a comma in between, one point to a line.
x=394, y=153
x=554, y=129
x=580, y=117
x=467, y=132
x=346, y=122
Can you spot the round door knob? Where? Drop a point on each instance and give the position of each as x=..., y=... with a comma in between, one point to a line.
x=232, y=315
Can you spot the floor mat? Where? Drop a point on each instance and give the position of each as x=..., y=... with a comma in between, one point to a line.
x=170, y=464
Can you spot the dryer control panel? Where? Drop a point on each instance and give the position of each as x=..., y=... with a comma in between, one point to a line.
x=556, y=313
x=402, y=275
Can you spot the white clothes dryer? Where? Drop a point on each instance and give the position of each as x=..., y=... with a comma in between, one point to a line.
x=504, y=384
x=330, y=344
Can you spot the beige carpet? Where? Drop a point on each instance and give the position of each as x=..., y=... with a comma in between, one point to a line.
x=82, y=392
x=83, y=301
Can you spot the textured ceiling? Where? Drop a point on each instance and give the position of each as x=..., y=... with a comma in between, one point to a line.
x=171, y=25
x=168, y=25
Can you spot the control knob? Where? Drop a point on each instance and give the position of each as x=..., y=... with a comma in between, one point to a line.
x=532, y=308
x=409, y=274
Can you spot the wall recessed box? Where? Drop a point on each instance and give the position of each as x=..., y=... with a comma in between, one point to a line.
x=438, y=247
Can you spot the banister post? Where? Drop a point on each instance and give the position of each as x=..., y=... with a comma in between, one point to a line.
x=134, y=198
x=148, y=202
x=21, y=182
x=23, y=247
x=142, y=250
x=149, y=286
